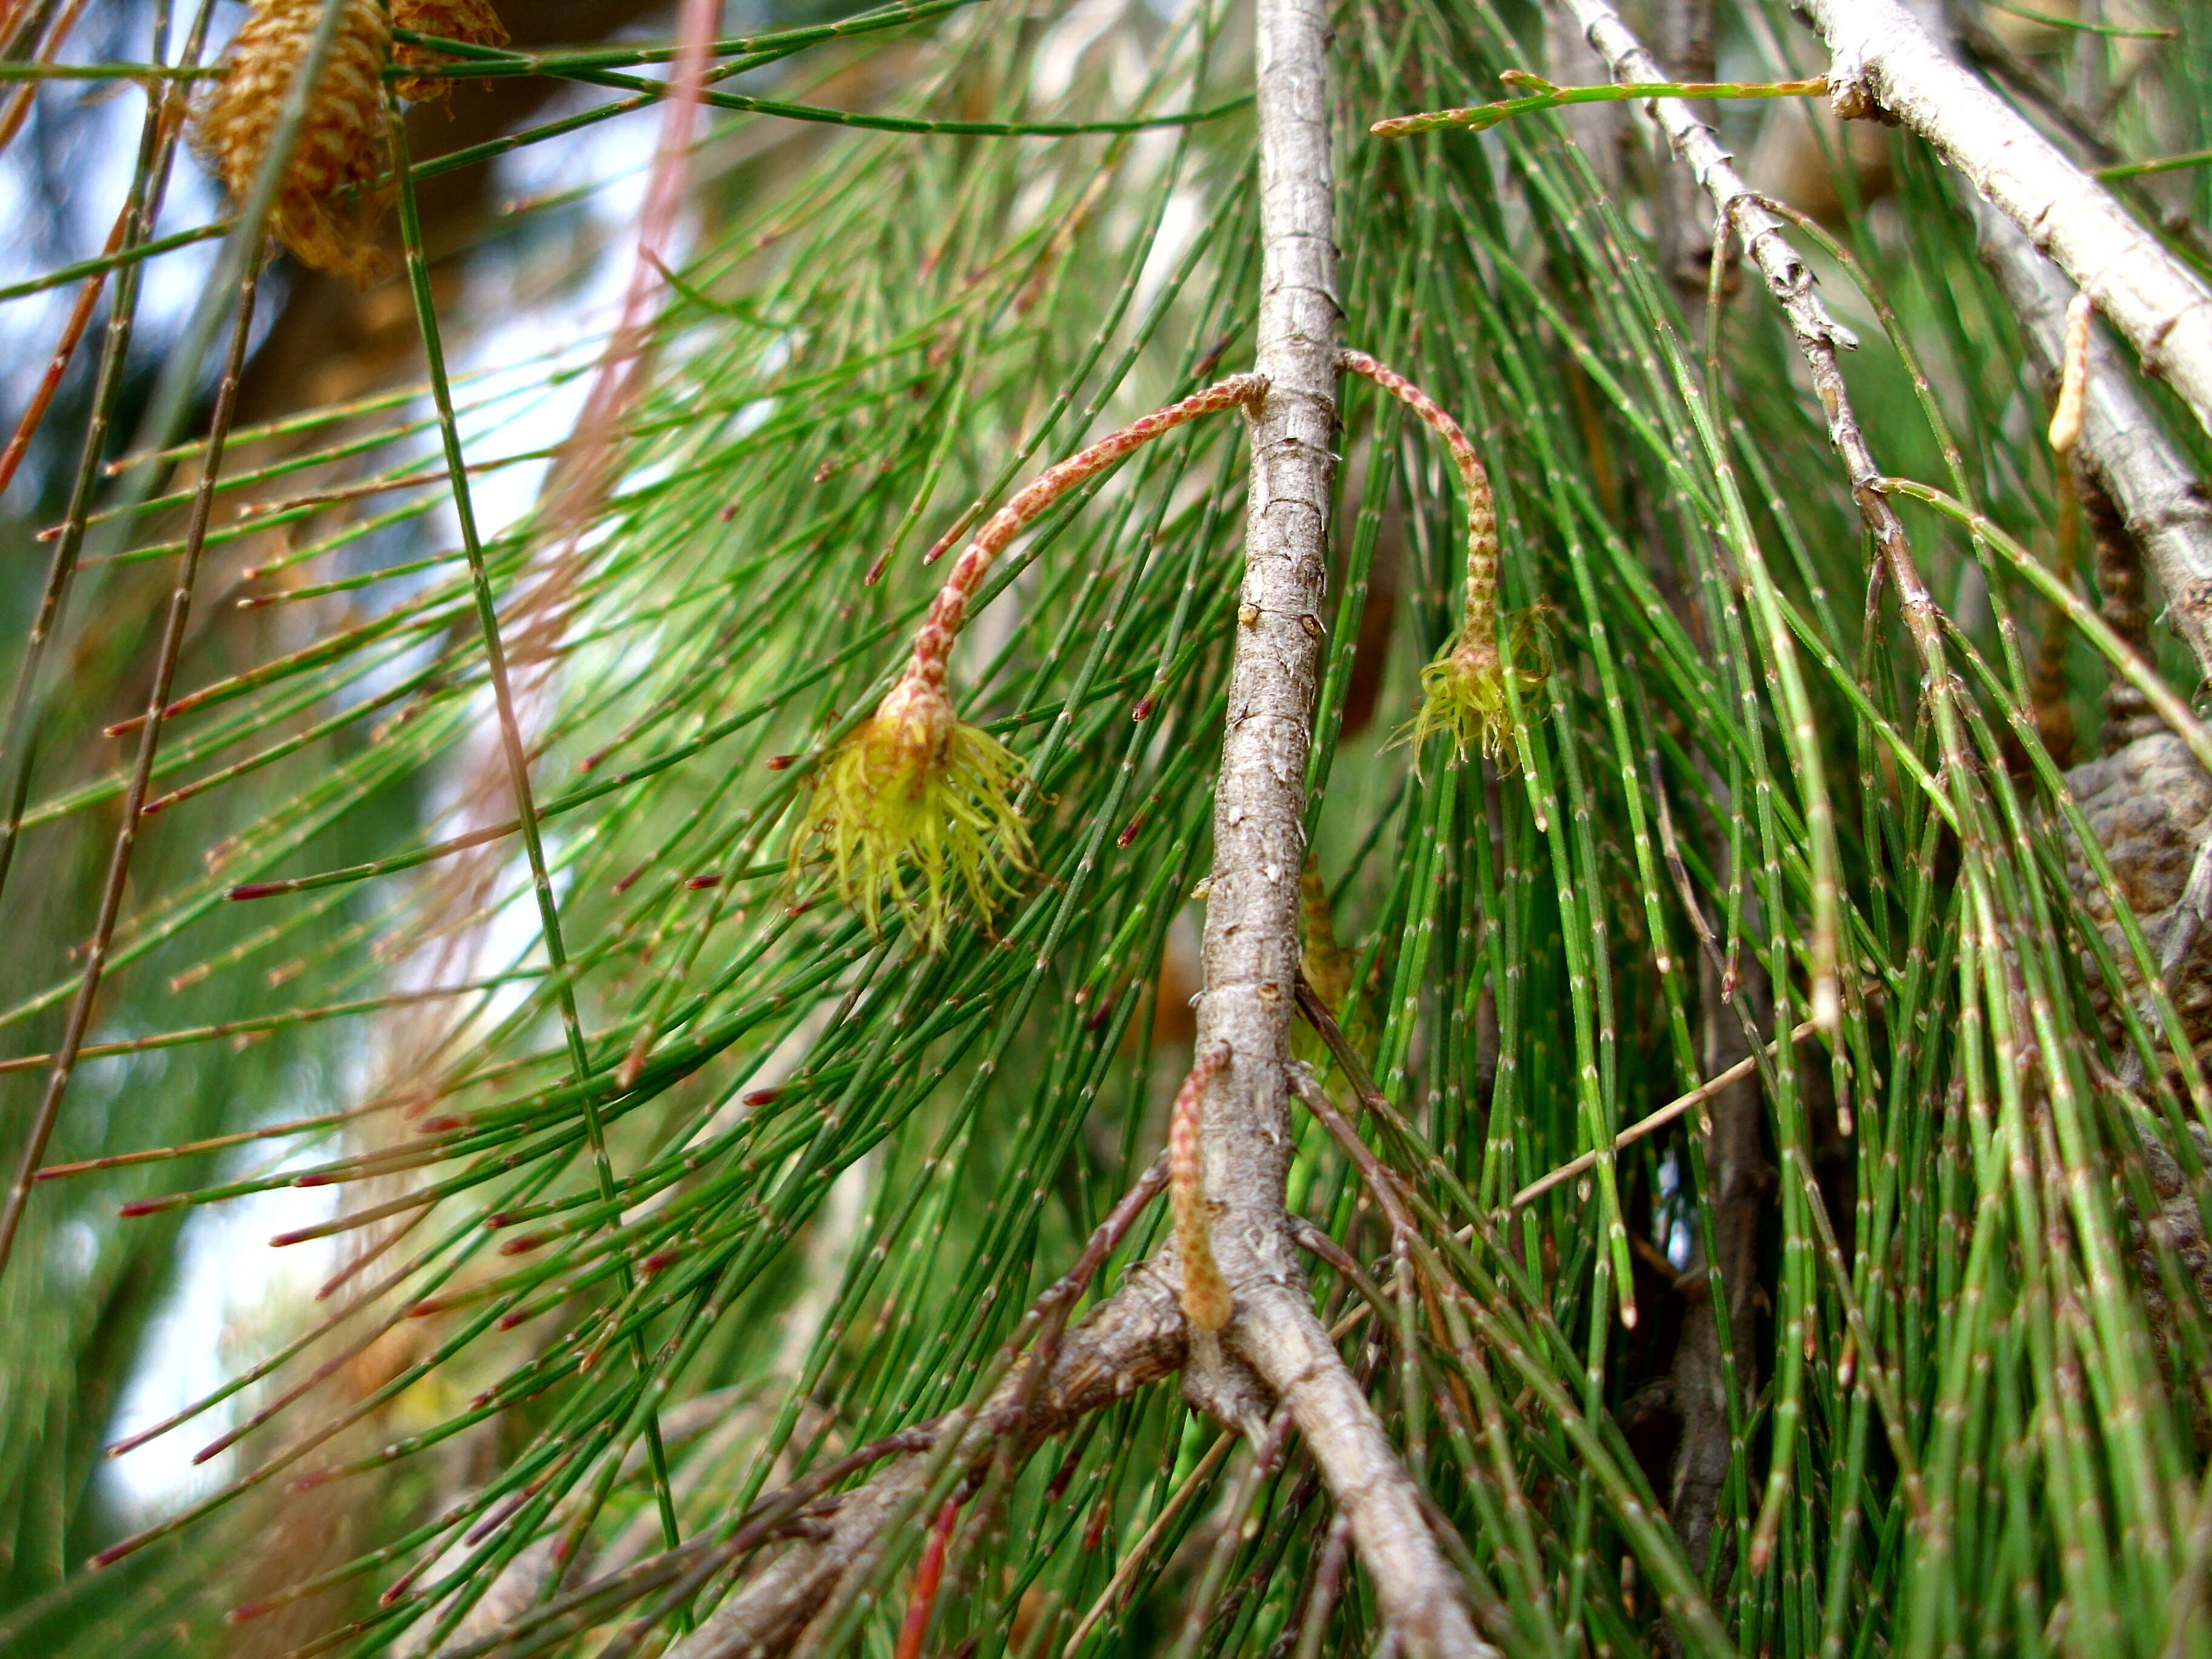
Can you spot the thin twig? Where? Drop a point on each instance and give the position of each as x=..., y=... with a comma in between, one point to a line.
x=1660, y=1119
x=1126, y=1569
x=142, y=772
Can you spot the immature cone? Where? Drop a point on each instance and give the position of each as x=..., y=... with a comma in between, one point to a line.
x=914, y=811
x=471, y=20
x=341, y=144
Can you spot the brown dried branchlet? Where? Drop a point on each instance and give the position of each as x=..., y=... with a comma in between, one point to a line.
x=1206, y=1299
x=472, y=22
x=341, y=144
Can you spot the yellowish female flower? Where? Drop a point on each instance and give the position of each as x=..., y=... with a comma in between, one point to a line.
x=1463, y=691
x=916, y=811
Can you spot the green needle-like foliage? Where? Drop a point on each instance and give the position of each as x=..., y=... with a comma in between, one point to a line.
x=871, y=1035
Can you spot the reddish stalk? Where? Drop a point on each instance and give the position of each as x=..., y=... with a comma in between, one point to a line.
x=1479, y=617
x=87, y=301
x=19, y=107
x=917, y=808
x=928, y=1576
x=933, y=646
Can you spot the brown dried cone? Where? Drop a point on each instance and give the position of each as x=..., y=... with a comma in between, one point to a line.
x=341, y=142
x=2149, y=805
x=472, y=21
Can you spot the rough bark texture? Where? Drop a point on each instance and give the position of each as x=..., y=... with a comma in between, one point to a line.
x=1820, y=339
x=2149, y=805
x=2160, y=499
x=2118, y=560
x=1274, y=1353
x=1887, y=64
x=1250, y=952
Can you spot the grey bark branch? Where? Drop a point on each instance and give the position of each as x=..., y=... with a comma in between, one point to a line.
x=1886, y=63
x=1251, y=947
x=1699, y=147
x=1275, y=1353
x=1820, y=337
x=2161, y=500
x=1134, y=1338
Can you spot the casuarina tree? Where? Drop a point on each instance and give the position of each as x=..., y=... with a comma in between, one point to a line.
x=1091, y=829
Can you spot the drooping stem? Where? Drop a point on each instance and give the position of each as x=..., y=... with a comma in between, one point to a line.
x=1479, y=611
x=933, y=646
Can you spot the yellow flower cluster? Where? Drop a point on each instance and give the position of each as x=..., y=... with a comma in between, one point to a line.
x=915, y=812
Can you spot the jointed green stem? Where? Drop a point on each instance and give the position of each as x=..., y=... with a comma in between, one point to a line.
x=1480, y=118
x=517, y=754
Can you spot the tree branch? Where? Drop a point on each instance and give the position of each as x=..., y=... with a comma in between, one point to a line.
x=1251, y=948
x=1699, y=147
x=1885, y=64
x=1820, y=337
x=2161, y=500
